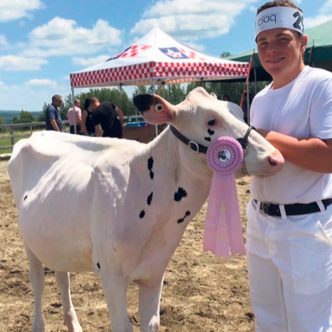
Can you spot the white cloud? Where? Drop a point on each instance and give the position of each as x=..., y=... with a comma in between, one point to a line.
x=192, y=19
x=327, y=7
x=310, y=22
x=41, y=82
x=3, y=42
x=324, y=15
x=87, y=62
x=20, y=63
x=64, y=37
x=29, y=97
x=15, y=9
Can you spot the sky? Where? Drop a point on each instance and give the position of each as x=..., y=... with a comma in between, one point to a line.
x=43, y=41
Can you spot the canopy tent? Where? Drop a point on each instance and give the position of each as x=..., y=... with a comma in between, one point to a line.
x=318, y=53
x=157, y=58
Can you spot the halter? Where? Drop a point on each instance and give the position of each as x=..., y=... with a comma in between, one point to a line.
x=199, y=148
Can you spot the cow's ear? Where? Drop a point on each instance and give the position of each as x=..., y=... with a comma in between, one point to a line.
x=154, y=109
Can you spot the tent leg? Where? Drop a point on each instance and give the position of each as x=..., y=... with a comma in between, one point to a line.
x=73, y=102
x=248, y=102
x=153, y=91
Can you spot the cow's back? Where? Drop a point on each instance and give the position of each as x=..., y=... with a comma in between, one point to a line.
x=53, y=193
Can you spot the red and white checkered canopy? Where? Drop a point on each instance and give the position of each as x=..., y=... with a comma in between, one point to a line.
x=157, y=57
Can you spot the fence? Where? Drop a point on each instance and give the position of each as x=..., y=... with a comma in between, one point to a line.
x=11, y=133
x=135, y=128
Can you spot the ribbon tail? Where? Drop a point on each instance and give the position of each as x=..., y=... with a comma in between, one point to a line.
x=223, y=231
x=233, y=219
x=216, y=236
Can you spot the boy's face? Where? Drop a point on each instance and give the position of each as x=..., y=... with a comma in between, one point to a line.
x=280, y=50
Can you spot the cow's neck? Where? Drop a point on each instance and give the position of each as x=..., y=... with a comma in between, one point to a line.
x=180, y=166
x=171, y=184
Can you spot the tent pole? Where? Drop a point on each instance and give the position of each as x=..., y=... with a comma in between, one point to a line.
x=246, y=101
x=255, y=75
x=153, y=88
x=247, y=83
x=73, y=103
x=311, y=57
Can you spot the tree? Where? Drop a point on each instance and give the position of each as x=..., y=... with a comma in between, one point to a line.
x=42, y=116
x=233, y=90
x=25, y=117
x=2, y=122
x=115, y=95
x=140, y=90
x=173, y=93
x=225, y=54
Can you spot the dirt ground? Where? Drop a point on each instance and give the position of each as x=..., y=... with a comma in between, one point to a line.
x=201, y=292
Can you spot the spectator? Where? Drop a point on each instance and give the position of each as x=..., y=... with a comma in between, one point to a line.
x=87, y=124
x=107, y=118
x=52, y=115
x=74, y=116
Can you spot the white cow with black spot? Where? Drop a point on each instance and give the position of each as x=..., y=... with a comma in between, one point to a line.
x=119, y=207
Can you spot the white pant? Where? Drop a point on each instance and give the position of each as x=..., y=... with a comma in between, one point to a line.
x=290, y=271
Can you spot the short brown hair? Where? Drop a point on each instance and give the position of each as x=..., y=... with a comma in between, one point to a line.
x=278, y=3
x=56, y=98
x=94, y=100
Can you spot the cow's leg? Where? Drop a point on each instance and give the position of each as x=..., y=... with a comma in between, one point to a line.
x=149, y=306
x=115, y=287
x=36, y=274
x=70, y=318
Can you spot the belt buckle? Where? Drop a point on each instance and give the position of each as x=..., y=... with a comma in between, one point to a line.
x=272, y=210
x=264, y=207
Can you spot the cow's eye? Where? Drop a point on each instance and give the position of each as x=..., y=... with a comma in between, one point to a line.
x=158, y=107
x=212, y=122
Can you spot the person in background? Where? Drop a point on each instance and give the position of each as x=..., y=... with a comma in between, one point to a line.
x=289, y=231
x=87, y=124
x=107, y=118
x=52, y=114
x=74, y=116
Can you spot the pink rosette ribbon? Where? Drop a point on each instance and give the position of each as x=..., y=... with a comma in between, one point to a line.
x=223, y=231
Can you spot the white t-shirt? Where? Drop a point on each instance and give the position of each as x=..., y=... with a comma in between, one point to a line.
x=302, y=109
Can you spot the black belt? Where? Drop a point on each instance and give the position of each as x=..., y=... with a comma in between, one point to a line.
x=292, y=209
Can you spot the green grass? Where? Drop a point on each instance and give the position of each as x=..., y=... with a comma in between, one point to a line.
x=5, y=146
x=5, y=139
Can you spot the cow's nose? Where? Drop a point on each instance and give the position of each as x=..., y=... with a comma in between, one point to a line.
x=276, y=160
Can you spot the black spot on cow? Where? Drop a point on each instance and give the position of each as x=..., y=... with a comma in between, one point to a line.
x=181, y=220
x=25, y=197
x=211, y=132
x=142, y=214
x=208, y=139
x=149, y=199
x=98, y=265
x=150, y=163
x=150, y=167
x=180, y=194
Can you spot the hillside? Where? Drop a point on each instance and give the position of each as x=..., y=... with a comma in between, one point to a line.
x=9, y=115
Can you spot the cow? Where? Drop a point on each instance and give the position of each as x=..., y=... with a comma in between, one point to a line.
x=120, y=207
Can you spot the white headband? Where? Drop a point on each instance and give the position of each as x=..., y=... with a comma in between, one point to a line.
x=279, y=17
